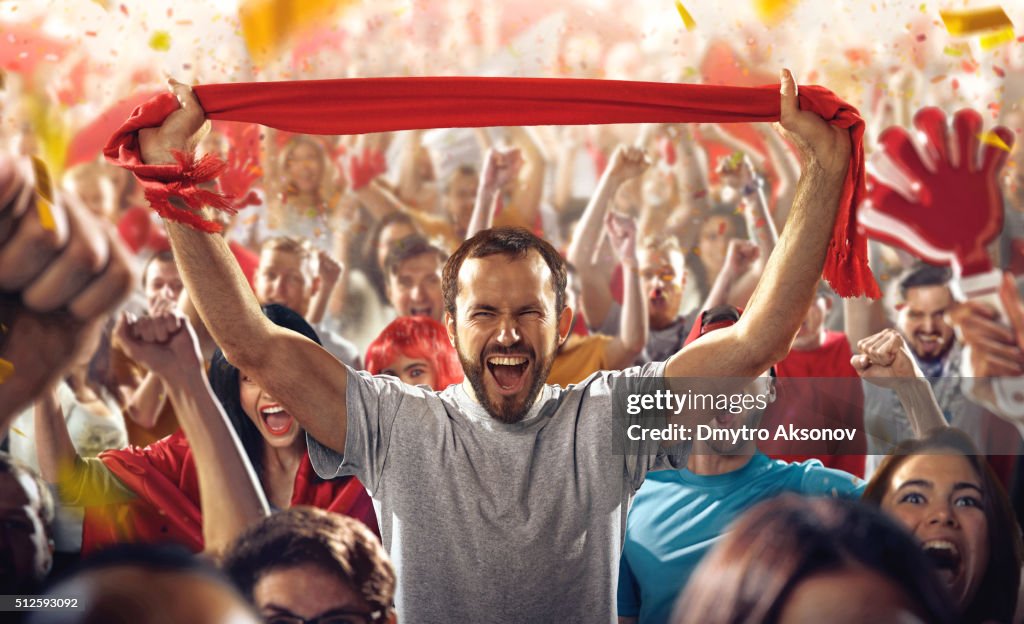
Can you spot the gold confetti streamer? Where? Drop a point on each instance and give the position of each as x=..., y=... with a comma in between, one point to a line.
x=6, y=370
x=996, y=39
x=685, y=15
x=991, y=138
x=974, y=21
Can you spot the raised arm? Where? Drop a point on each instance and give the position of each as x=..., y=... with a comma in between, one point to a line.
x=54, y=449
x=694, y=190
x=595, y=276
x=500, y=168
x=766, y=330
x=739, y=258
x=307, y=380
x=787, y=171
x=885, y=361
x=623, y=349
x=230, y=494
x=60, y=274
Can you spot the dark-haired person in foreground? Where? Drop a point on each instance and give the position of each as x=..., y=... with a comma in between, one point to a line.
x=795, y=560
x=307, y=564
x=145, y=584
x=501, y=499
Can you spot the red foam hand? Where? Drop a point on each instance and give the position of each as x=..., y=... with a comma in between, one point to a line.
x=365, y=167
x=939, y=201
x=243, y=168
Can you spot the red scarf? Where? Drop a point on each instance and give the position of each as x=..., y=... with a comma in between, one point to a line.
x=164, y=479
x=363, y=105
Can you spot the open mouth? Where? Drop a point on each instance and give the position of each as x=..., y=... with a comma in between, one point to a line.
x=930, y=342
x=657, y=297
x=508, y=371
x=421, y=311
x=945, y=558
x=277, y=421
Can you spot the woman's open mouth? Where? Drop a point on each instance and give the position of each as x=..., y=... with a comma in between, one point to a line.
x=508, y=372
x=277, y=421
x=945, y=558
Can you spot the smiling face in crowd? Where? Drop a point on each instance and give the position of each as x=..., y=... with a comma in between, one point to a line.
x=922, y=322
x=939, y=498
x=278, y=428
x=507, y=330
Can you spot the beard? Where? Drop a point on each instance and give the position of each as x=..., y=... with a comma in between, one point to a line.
x=508, y=410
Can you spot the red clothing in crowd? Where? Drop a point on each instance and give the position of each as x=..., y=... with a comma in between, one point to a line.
x=166, y=508
x=834, y=399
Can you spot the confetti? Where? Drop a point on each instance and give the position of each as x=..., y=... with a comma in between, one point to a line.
x=773, y=11
x=951, y=51
x=938, y=78
x=45, y=215
x=685, y=15
x=19, y=432
x=44, y=186
x=160, y=41
x=978, y=20
x=996, y=39
x=6, y=370
x=991, y=138
x=999, y=71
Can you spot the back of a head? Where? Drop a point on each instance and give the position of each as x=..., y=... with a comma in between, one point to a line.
x=145, y=584
x=27, y=508
x=779, y=544
x=298, y=536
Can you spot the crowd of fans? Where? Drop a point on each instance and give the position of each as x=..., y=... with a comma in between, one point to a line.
x=385, y=391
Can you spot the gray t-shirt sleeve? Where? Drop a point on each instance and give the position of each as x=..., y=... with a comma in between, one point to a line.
x=643, y=456
x=372, y=404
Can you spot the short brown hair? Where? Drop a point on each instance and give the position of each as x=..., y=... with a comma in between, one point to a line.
x=514, y=242
x=338, y=544
x=410, y=247
x=166, y=256
x=302, y=249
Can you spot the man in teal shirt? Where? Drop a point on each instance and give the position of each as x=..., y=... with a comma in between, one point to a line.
x=677, y=516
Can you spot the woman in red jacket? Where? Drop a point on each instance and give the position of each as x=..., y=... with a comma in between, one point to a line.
x=153, y=494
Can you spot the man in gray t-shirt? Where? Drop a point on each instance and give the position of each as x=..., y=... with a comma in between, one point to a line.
x=490, y=521
x=502, y=500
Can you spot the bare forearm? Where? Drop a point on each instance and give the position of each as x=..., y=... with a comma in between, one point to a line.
x=759, y=223
x=54, y=450
x=220, y=292
x=786, y=287
x=230, y=493
x=633, y=324
x=919, y=403
x=483, y=209
x=720, y=289
x=144, y=405
x=694, y=198
x=591, y=223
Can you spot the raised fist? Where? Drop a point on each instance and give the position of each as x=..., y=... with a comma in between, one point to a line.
x=61, y=272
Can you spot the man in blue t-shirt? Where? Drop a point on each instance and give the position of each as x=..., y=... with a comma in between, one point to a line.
x=679, y=515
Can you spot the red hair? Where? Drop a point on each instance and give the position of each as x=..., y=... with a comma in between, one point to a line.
x=421, y=338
